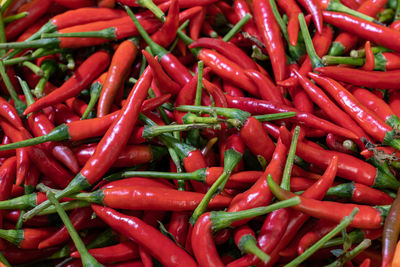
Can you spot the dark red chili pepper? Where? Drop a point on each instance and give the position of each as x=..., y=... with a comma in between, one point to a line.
x=35, y=10
x=123, y=251
x=241, y=8
x=269, y=30
x=62, y=114
x=317, y=232
x=217, y=94
x=116, y=138
x=256, y=106
x=391, y=232
x=179, y=226
x=75, y=3
x=195, y=24
x=330, y=108
x=158, y=245
x=90, y=69
x=17, y=256
x=119, y=68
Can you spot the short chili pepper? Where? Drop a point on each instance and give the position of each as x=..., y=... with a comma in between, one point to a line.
x=158, y=245
x=245, y=240
x=119, y=67
x=116, y=137
x=83, y=76
x=391, y=232
x=368, y=217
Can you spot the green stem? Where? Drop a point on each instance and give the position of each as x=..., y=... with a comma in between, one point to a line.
x=355, y=237
x=335, y=5
x=375, y=50
x=311, y=250
x=103, y=239
x=333, y=60
x=95, y=91
x=5, y=5
x=191, y=118
x=42, y=43
x=30, y=57
x=199, y=88
x=285, y=184
x=223, y=219
x=15, y=237
x=275, y=116
x=70, y=61
x=108, y=33
x=315, y=60
x=199, y=175
x=248, y=245
x=33, y=67
x=348, y=256
x=15, y=17
x=19, y=105
x=27, y=91
x=70, y=205
x=4, y=260
x=155, y=48
x=3, y=38
x=148, y=4
x=60, y=133
x=87, y=258
x=152, y=131
x=397, y=12
x=231, y=159
x=238, y=26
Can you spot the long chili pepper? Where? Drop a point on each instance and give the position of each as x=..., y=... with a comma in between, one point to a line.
x=292, y=10
x=123, y=251
x=167, y=33
x=83, y=76
x=35, y=10
x=313, y=7
x=391, y=232
x=116, y=137
x=317, y=232
x=359, y=193
x=170, y=63
x=245, y=240
x=368, y=217
x=256, y=106
x=330, y=108
x=369, y=121
x=266, y=88
x=241, y=8
x=163, y=249
x=269, y=30
x=374, y=103
x=202, y=241
x=8, y=112
x=378, y=34
x=119, y=67
x=345, y=41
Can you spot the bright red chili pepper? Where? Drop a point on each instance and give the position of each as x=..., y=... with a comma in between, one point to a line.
x=266, y=87
x=292, y=10
x=313, y=7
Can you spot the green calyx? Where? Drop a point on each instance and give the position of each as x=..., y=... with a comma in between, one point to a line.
x=343, y=190
x=95, y=91
x=15, y=237
x=19, y=203
x=248, y=245
x=336, y=49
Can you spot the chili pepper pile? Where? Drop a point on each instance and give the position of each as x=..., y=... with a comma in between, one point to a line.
x=200, y=133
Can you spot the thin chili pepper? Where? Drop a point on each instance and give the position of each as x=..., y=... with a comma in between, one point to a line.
x=27, y=238
x=345, y=41
x=123, y=251
x=83, y=76
x=266, y=87
x=256, y=106
x=195, y=24
x=231, y=89
x=313, y=7
x=8, y=112
x=292, y=10
x=391, y=232
x=162, y=80
x=369, y=121
x=245, y=240
x=375, y=33
x=374, y=103
x=35, y=10
x=77, y=217
x=75, y=3
x=167, y=33
x=163, y=249
x=241, y=8
x=330, y=108
x=116, y=137
x=269, y=30
x=317, y=232
x=368, y=217
x=369, y=57
x=119, y=67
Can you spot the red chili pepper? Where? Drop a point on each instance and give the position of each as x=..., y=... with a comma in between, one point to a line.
x=313, y=7
x=266, y=87
x=391, y=232
x=292, y=10
x=62, y=114
x=123, y=251
x=369, y=57
x=35, y=10
x=119, y=68
x=319, y=230
x=245, y=240
x=27, y=238
x=8, y=112
x=195, y=24
x=269, y=30
x=158, y=245
x=75, y=3
x=17, y=256
x=216, y=93
x=179, y=226
x=90, y=69
x=241, y=8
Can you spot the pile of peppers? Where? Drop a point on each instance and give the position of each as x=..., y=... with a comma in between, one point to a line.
x=200, y=133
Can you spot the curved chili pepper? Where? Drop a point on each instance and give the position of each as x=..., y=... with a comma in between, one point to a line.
x=256, y=106
x=35, y=10
x=266, y=87
x=391, y=231
x=330, y=108
x=241, y=8
x=345, y=41
x=359, y=193
x=231, y=89
x=90, y=69
x=116, y=138
x=167, y=33
x=368, y=217
x=369, y=57
x=228, y=50
x=179, y=226
x=119, y=67
x=292, y=10
x=164, y=250
x=8, y=112
x=269, y=30
x=123, y=251
x=317, y=232
x=369, y=121
x=315, y=10
x=195, y=24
